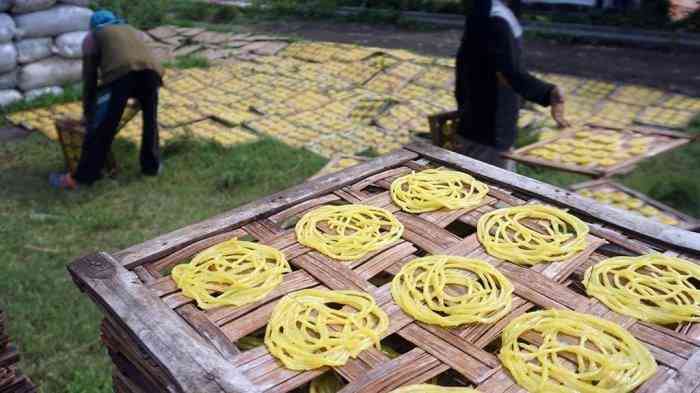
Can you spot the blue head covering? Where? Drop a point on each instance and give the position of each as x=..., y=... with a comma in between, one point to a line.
x=103, y=18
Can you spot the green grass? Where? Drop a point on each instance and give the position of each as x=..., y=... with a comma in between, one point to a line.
x=43, y=230
x=190, y=61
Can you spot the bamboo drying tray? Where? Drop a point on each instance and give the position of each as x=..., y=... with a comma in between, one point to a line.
x=608, y=185
x=663, y=140
x=11, y=378
x=161, y=342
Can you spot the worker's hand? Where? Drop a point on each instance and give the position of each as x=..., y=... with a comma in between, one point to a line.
x=557, y=105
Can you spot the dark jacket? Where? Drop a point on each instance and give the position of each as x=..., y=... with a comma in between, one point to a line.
x=488, y=86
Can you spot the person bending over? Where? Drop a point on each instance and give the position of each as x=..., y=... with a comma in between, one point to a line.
x=114, y=54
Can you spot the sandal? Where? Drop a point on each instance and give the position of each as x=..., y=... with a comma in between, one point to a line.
x=62, y=181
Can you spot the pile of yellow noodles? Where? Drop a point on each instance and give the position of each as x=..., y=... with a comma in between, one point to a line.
x=305, y=333
x=231, y=273
x=532, y=234
x=557, y=351
x=348, y=232
x=434, y=189
x=654, y=288
x=424, y=388
x=451, y=291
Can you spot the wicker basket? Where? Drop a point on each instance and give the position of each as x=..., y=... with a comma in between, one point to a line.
x=71, y=134
x=443, y=129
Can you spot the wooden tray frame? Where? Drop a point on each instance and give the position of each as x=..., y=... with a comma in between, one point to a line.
x=626, y=166
x=183, y=349
x=687, y=222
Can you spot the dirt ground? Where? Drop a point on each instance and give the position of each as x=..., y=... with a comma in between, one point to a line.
x=669, y=70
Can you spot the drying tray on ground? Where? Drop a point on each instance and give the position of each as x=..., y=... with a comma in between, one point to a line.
x=598, y=151
x=160, y=341
x=609, y=192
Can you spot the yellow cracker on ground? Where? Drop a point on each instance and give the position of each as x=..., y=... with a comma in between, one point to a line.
x=664, y=117
x=615, y=114
x=322, y=122
x=381, y=61
x=406, y=70
x=415, y=92
x=351, y=53
x=179, y=115
x=440, y=77
x=220, y=133
x=637, y=95
x=185, y=85
x=681, y=102
x=446, y=62
x=331, y=145
x=567, y=83
x=308, y=100
x=385, y=83
x=73, y=110
x=230, y=115
x=595, y=89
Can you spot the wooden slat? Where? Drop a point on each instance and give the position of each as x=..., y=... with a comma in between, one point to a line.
x=179, y=350
x=167, y=244
x=669, y=235
x=463, y=362
x=395, y=373
x=686, y=380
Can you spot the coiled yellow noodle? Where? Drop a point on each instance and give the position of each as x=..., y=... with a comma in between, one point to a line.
x=532, y=234
x=231, y=273
x=348, y=232
x=451, y=291
x=305, y=333
x=424, y=388
x=654, y=288
x=558, y=351
x=434, y=189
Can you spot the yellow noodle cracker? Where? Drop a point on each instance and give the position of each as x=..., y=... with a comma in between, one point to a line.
x=434, y=189
x=232, y=273
x=532, y=234
x=305, y=332
x=348, y=232
x=451, y=291
x=653, y=288
x=558, y=351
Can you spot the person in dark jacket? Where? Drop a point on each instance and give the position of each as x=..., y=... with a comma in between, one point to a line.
x=491, y=78
x=114, y=54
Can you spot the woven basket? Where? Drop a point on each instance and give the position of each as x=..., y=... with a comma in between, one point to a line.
x=443, y=129
x=71, y=134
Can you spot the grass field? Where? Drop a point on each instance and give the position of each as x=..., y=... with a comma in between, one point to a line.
x=42, y=230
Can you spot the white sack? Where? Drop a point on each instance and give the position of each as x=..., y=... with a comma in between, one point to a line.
x=36, y=93
x=54, y=21
x=70, y=45
x=8, y=97
x=80, y=3
x=49, y=72
x=33, y=49
x=8, y=80
x=7, y=28
x=24, y=6
x=8, y=57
